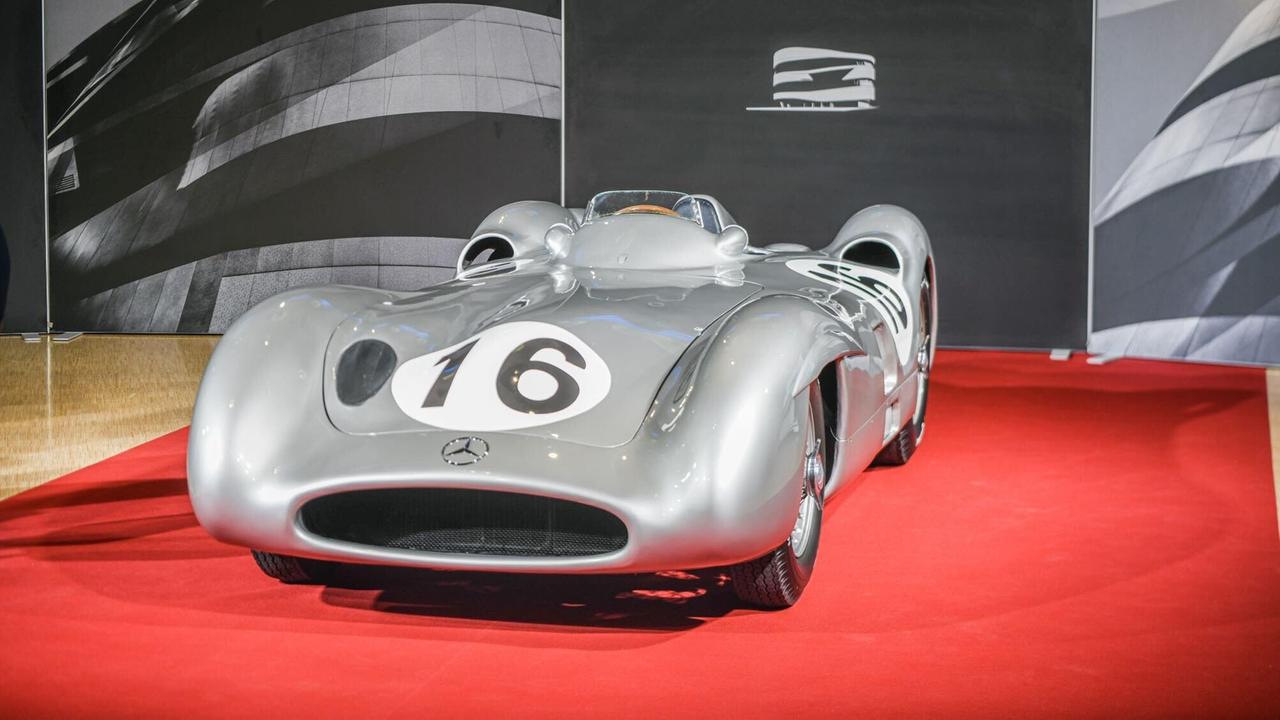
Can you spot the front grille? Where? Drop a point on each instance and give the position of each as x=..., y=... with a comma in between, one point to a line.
x=468, y=522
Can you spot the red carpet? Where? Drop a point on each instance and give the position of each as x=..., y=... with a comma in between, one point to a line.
x=1069, y=541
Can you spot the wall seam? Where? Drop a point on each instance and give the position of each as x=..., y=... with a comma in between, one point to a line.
x=1093, y=121
x=564, y=121
x=44, y=163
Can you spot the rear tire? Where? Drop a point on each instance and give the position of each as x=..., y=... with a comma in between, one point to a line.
x=293, y=570
x=777, y=579
x=900, y=448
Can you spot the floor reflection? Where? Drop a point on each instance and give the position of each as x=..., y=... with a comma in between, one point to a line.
x=67, y=405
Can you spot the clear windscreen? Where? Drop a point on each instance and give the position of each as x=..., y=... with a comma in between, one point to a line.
x=653, y=202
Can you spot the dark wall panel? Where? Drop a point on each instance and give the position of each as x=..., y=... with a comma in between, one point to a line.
x=22, y=258
x=981, y=128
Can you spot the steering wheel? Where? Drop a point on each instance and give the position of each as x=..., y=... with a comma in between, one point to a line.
x=650, y=209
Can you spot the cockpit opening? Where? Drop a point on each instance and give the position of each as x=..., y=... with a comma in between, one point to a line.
x=693, y=208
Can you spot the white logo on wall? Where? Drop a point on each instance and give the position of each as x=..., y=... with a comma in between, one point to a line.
x=816, y=80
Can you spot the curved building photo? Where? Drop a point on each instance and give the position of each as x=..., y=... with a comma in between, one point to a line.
x=206, y=155
x=1187, y=242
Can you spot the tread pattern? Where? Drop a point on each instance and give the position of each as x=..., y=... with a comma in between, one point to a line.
x=766, y=581
x=900, y=448
x=776, y=579
x=289, y=569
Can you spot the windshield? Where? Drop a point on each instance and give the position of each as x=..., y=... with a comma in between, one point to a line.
x=653, y=202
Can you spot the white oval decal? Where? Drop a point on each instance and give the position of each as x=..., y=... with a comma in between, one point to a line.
x=511, y=376
x=881, y=289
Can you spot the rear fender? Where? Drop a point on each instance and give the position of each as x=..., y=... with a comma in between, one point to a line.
x=901, y=230
x=516, y=231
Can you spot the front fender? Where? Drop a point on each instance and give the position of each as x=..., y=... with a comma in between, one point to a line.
x=264, y=384
x=726, y=433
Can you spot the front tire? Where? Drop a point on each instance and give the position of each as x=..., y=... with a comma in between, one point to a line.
x=777, y=579
x=293, y=570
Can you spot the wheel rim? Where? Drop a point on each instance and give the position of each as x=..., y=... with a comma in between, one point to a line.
x=812, y=487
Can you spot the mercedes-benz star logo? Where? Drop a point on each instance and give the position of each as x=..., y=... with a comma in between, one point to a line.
x=464, y=451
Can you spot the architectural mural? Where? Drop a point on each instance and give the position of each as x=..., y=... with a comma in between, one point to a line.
x=204, y=156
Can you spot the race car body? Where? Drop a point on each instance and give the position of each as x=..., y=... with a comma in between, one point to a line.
x=627, y=388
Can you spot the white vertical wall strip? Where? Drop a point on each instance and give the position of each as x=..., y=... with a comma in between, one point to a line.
x=44, y=162
x=564, y=50
x=1093, y=122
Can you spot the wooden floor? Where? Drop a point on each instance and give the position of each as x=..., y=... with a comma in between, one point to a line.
x=67, y=405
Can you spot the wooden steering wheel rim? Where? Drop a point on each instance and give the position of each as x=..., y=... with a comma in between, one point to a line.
x=654, y=209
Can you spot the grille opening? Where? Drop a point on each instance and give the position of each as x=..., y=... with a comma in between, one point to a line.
x=468, y=522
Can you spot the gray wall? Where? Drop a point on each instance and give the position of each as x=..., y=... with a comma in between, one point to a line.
x=981, y=128
x=21, y=167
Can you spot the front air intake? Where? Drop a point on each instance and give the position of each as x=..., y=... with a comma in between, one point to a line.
x=465, y=522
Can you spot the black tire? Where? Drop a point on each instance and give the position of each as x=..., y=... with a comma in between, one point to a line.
x=903, y=445
x=777, y=579
x=293, y=570
x=900, y=448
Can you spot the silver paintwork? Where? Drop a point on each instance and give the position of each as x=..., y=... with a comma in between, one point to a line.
x=806, y=526
x=523, y=224
x=700, y=448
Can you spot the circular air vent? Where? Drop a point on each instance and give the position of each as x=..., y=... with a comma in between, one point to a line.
x=363, y=369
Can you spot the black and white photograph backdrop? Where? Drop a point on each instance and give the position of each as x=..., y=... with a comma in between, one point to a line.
x=1186, y=206
x=975, y=115
x=203, y=156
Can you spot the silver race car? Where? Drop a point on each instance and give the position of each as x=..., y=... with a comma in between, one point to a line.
x=626, y=388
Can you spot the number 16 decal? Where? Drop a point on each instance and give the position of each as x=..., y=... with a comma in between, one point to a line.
x=511, y=376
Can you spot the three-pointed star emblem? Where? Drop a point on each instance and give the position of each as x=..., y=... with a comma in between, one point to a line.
x=464, y=450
